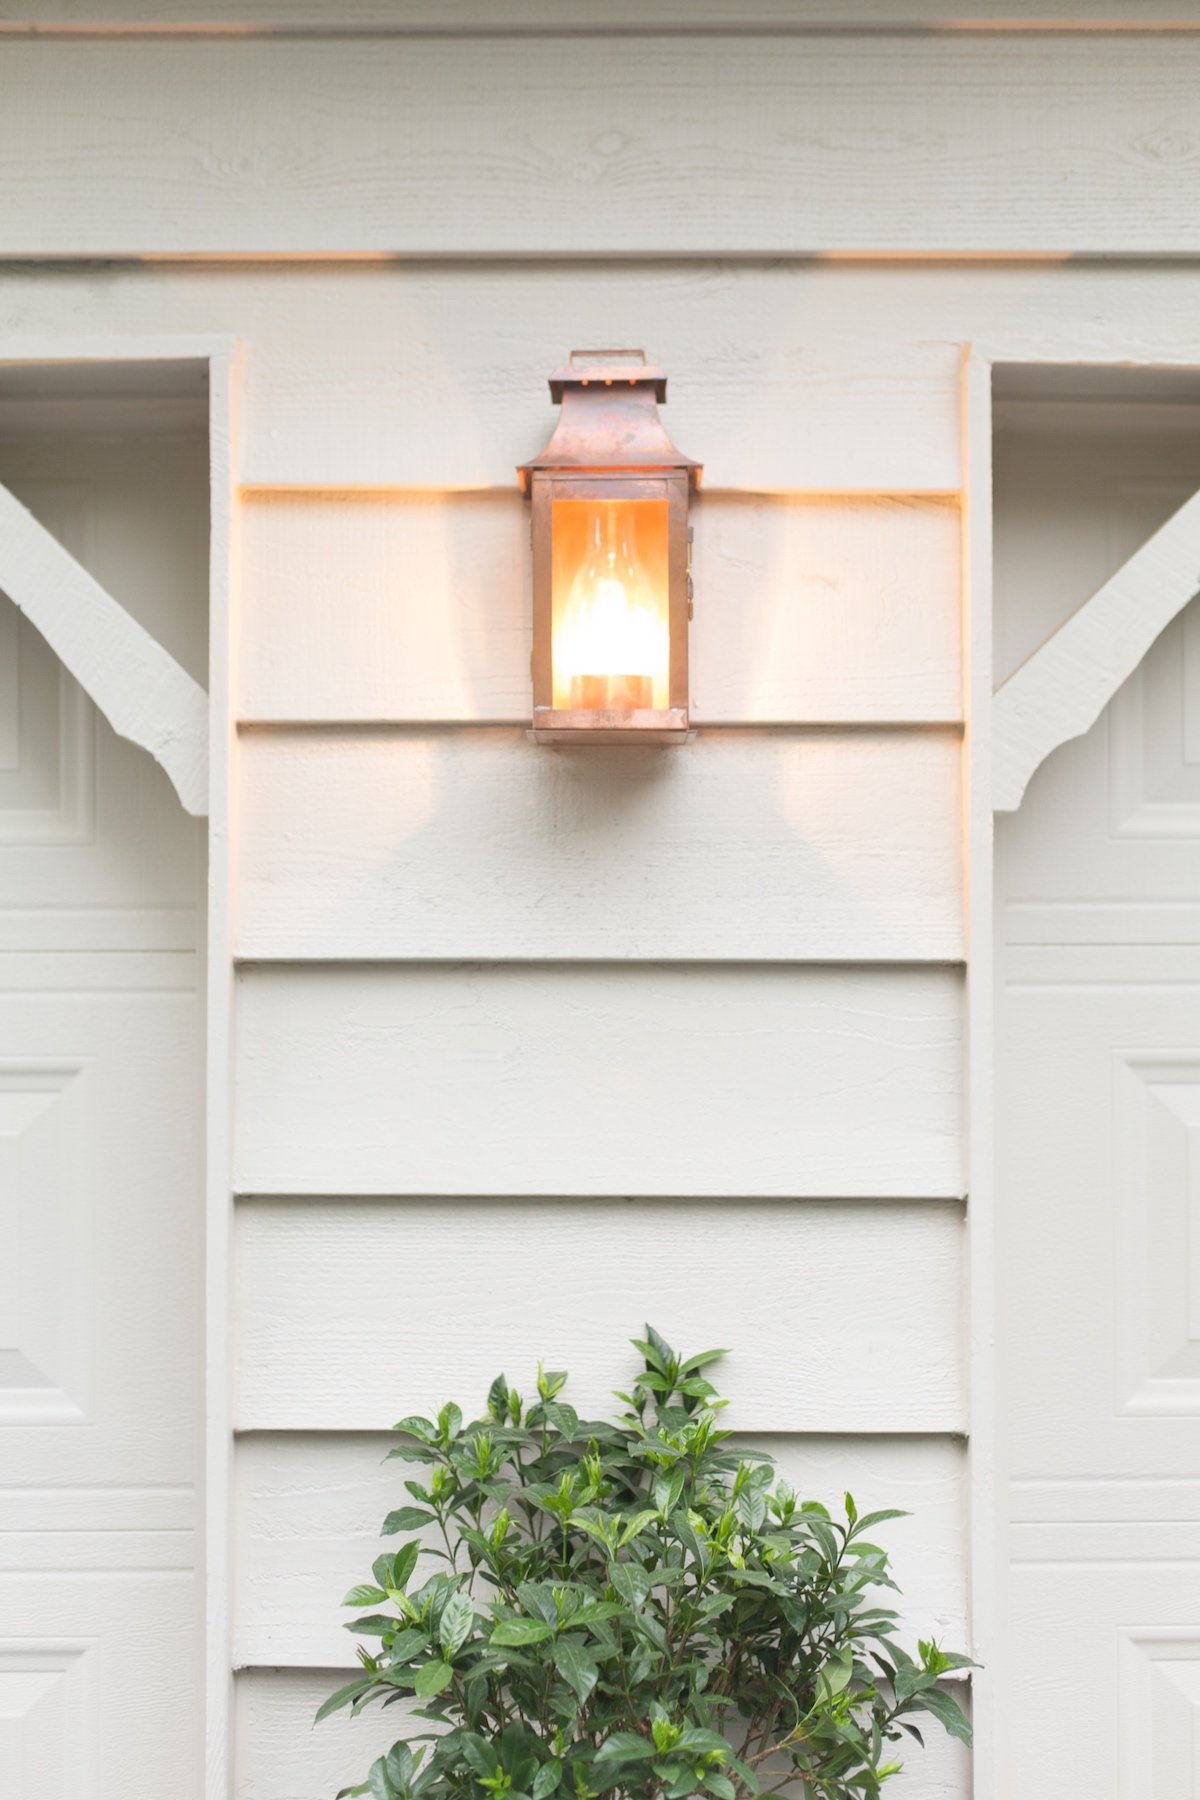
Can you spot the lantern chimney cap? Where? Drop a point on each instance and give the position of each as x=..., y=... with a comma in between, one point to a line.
x=607, y=368
x=609, y=420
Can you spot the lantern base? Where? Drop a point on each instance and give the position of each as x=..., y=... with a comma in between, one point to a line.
x=640, y=725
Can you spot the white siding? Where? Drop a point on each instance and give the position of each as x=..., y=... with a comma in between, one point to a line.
x=488, y=988
x=214, y=17
x=745, y=846
x=828, y=379
x=600, y=1079
x=309, y=1508
x=347, y=1321
x=721, y=980
x=808, y=611
x=480, y=146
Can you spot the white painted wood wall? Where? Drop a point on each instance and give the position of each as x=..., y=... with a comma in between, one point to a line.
x=527, y=1045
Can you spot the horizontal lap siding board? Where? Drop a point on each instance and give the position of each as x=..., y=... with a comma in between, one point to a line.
x=416, y=607
x=784, y=376
x=278, y=1755
x=308, y=1510
x=828, y=377
x=353, y=1314
x=780, y=377
x=488, y=146
x=598, y=1079
x=581, y=15
x=477, y=845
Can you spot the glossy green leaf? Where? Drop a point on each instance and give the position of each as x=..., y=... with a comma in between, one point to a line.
x=364, y=1595
x=518, y=1632
x=634, y=1583
x=546, y=1781
x=576, y=1665
x=457, y=1617
x=431, y=1679
x=406, y=1518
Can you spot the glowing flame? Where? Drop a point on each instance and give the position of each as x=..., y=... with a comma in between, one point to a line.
x=611, y=642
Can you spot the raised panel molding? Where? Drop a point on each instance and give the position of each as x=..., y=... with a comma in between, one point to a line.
x=1154, y=725
x=47, y=737
x=49, y=1718
x=1160, y=1713
x=1154, y=739
x=45, y=1227
x=47, y=722
x=10, y=689
x=1078, y=924
x=1156, y=1172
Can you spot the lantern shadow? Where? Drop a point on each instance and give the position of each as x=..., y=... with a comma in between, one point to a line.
x=730, y=848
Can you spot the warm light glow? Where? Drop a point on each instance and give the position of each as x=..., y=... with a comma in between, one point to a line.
x=611, y=642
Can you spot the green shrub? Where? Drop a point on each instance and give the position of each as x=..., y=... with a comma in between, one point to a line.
x=630, y=1608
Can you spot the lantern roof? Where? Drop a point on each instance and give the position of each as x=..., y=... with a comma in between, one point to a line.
x=609, y=418
x=607, y=368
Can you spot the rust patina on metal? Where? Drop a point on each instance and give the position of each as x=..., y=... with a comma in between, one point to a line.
x=610, y=444
x=609, y=418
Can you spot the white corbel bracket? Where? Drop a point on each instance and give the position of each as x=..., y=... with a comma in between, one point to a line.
x=142, y=691
x=1062, y=689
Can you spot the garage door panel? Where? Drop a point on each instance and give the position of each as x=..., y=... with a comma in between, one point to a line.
x=1117, y=1645
x=1098, y=1251
x=97, y=1684
x=99, y=1173
x=1101, y=1213
x=101, y=1164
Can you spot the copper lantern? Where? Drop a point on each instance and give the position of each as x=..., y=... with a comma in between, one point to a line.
x=612, y=586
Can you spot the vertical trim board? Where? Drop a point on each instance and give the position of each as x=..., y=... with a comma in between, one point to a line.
x=977, y=832
x=219, y=1722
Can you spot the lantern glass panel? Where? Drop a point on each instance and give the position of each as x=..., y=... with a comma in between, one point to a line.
x=610, y=613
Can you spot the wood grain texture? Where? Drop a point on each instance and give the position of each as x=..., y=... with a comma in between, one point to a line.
x=488, y=147
x=308, y=1511
x=598, y=1079
x=783, y=377
x=353, y=1314
x=979, y=1335
x=416, y=606
x=1060, y=692
x=403, y=845
x=580, y=16
x=814, y=376
x=279, y=1756
x=219, y=1723
x=830, y=376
